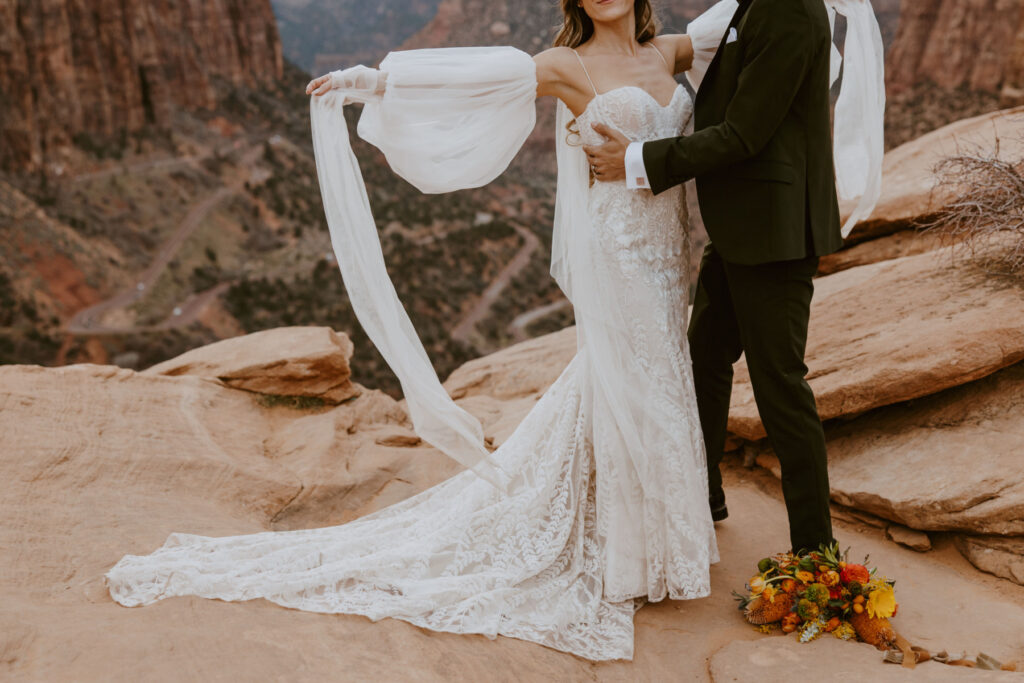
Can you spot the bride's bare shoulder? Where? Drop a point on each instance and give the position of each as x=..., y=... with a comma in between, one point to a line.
x=559, y=74
x=677, y=49
x=555, y=61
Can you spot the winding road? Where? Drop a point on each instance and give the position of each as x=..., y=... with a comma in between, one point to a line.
x=465, y=330
x=517, y=328
x=89, y=321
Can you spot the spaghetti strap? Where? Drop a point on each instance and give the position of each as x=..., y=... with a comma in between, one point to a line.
x=585, y=70
x=659, y=54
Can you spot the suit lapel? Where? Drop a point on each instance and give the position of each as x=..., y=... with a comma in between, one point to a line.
x=744, y=5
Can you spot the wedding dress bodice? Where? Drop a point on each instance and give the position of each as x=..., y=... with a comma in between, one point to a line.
x=642, y=226
x=635, y=113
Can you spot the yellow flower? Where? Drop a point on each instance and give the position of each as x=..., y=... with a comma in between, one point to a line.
x=769, y=593
x=757, y=585
x=830, y=578
x=881, y=602
x=805, y=577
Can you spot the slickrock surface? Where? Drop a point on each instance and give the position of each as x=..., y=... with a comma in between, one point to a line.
x=521, y=370
x=995, y=554
x=908, y=184
x=952, y=461
x=287, y=361
x=98, y=462
x=788, y=660
x=948, y=462
x=886, y=248
x=896, y=330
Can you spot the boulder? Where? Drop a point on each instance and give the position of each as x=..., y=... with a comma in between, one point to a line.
x=287, y=361
x=904, y=243
x=948, y=462
x=911, y=538
x=839, y=512
x=997, y=555
x=896, y=330
x=525, y=369
x=908, y=181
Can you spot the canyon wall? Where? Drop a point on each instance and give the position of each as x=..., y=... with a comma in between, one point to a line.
x=103, y=67
x=976, y=45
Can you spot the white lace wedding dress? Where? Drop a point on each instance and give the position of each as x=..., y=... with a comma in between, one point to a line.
x=561, y=557
x=599, y=499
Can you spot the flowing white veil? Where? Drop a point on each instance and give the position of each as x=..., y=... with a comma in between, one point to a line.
x=858, y=129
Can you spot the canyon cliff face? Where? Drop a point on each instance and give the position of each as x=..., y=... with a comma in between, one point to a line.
x=971, y=44
x=98, y=66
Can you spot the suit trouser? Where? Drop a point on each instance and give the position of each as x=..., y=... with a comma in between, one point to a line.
x=763, y=311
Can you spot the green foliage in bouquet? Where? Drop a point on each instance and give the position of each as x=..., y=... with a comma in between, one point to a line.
x=820, y=592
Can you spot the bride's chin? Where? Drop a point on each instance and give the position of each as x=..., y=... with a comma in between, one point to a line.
x=602, y=11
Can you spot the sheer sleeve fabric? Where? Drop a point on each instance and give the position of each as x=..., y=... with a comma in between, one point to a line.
x=452, y=118
x=706, y=33
x=448, y=119
x=859, y=128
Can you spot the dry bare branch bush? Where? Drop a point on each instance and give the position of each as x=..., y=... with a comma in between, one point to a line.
x=988, y=205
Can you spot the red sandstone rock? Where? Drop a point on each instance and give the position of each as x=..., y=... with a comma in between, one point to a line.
x=955, y=43
x=99, y=66
x=286, y=361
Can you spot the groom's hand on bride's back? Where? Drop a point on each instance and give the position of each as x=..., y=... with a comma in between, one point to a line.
x=608, y=161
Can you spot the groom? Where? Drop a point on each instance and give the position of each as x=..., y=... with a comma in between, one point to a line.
x=762, y=157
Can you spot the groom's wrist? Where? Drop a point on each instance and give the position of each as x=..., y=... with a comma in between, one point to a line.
x=636, y=173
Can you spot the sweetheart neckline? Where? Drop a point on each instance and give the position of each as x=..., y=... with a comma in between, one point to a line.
x=661, y=106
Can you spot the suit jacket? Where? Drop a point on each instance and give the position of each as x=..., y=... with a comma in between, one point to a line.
x=761, y=150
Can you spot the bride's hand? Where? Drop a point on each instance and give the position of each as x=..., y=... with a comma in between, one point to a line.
x=319, y=86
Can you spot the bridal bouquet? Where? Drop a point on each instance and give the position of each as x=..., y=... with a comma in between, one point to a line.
x=821, y=592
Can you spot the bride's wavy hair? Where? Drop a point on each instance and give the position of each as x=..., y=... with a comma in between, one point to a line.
x=578, y=27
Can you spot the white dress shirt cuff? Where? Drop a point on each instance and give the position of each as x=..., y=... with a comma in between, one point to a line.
x=636, y=174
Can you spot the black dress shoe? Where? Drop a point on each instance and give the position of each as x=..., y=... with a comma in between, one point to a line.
x=719, y=511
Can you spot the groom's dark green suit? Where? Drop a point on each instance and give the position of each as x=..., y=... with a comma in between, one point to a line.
x=761, y=153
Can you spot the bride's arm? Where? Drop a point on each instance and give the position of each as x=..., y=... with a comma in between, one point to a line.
x=560, y=75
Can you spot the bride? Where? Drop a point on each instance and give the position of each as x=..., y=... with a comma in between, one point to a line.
x=599, y=499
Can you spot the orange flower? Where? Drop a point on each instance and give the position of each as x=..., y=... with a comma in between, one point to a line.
x=830, y=578
x=789, y=622
x=805, y=576
x=855, y=572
